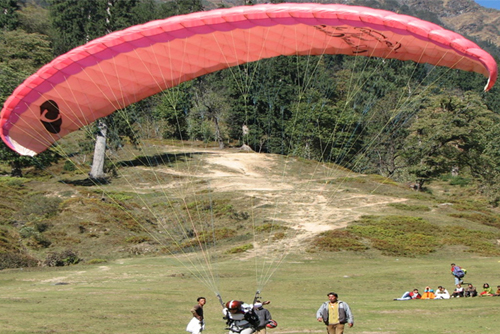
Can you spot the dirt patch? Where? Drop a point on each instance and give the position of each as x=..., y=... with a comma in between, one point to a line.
x=305, y=203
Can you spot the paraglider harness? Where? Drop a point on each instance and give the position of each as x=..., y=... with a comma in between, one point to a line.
x=250, y=316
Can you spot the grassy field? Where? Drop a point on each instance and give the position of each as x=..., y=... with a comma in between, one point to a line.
x=154, y=295
x=126, y=284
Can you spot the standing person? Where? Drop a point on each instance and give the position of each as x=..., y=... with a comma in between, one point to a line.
x=264, y=316
x=197, y=323
x=335, y=314
x=458, y=273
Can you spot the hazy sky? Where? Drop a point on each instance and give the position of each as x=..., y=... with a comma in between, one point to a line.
x=489, y=3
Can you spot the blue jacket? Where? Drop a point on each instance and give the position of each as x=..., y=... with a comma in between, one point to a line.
x=345, y=314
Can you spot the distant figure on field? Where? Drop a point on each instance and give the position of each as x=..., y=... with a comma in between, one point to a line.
x=428, y=293
x=497, y=294
x=197, y=323
x=335, y=314
x=470, y=291
x=487, y=290
x=410, y=295
x=458, y=292
x=458, y=273
x=442, y=293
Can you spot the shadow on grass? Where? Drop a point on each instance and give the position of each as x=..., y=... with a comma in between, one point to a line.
x=148, y=161
x=88, y=182
x=159, y=159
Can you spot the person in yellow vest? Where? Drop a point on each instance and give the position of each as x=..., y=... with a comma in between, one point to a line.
x=335, y=314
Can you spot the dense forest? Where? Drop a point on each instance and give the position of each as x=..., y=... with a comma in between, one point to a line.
x=398, y=119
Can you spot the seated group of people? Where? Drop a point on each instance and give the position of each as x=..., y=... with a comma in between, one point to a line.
x=442, y=293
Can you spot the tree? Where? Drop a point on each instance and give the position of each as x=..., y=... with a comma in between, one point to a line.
x=9, y=19
x=35, y=19
x=210, y=105
x=488, y=171
x=78, y=22
x=449, y=133
x=18, y=162
x=21, y=55
x=97, y=170
x=170, y=112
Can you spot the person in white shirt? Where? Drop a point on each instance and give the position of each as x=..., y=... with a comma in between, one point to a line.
x=442, y=293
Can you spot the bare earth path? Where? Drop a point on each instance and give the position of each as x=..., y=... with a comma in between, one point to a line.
x=302, y=201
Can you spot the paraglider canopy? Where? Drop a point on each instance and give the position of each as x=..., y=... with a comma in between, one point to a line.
x=124, y=67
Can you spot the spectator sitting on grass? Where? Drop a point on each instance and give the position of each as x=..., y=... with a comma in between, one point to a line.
x=487, y=290
x=458, y=292
x=428, y=293
x=442, y=293
x=410, y=295
x=470, y=291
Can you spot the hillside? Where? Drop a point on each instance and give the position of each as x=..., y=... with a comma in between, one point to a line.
x=247, y=201
x=181, y=197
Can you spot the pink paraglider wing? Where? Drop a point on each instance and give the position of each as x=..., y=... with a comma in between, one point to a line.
x=124, y=67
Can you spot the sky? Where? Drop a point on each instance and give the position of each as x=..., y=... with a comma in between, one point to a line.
x=489, y=3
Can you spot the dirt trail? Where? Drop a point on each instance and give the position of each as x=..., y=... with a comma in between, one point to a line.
x=306, y=206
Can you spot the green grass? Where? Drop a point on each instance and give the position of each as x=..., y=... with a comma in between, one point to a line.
x=154, y=295
x=116, y=230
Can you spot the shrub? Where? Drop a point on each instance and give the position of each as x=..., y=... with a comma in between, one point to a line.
x=338, y=240
x=64, y=258
x=240, y=215
x=240, y=249
x=137, y=239
x=15, y=182
x=96, y=261
x=40, y=206
x=406, y=207
x=398, y=235
x=26, y=232
x=38, y=241
x=69, y=166
x=481, y=218
x=16, y=260
x=412, y=236
x=279, y=235
x=459, y=181
x=209, y=237
x=269, y=227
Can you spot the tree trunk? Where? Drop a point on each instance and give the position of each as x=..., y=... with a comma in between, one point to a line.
x=97, y=170
x=217, y=133
x=245, y=131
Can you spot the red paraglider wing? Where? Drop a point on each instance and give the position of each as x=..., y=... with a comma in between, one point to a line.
x=127, y=66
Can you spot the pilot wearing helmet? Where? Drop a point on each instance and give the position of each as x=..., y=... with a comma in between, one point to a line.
x=241, y=317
